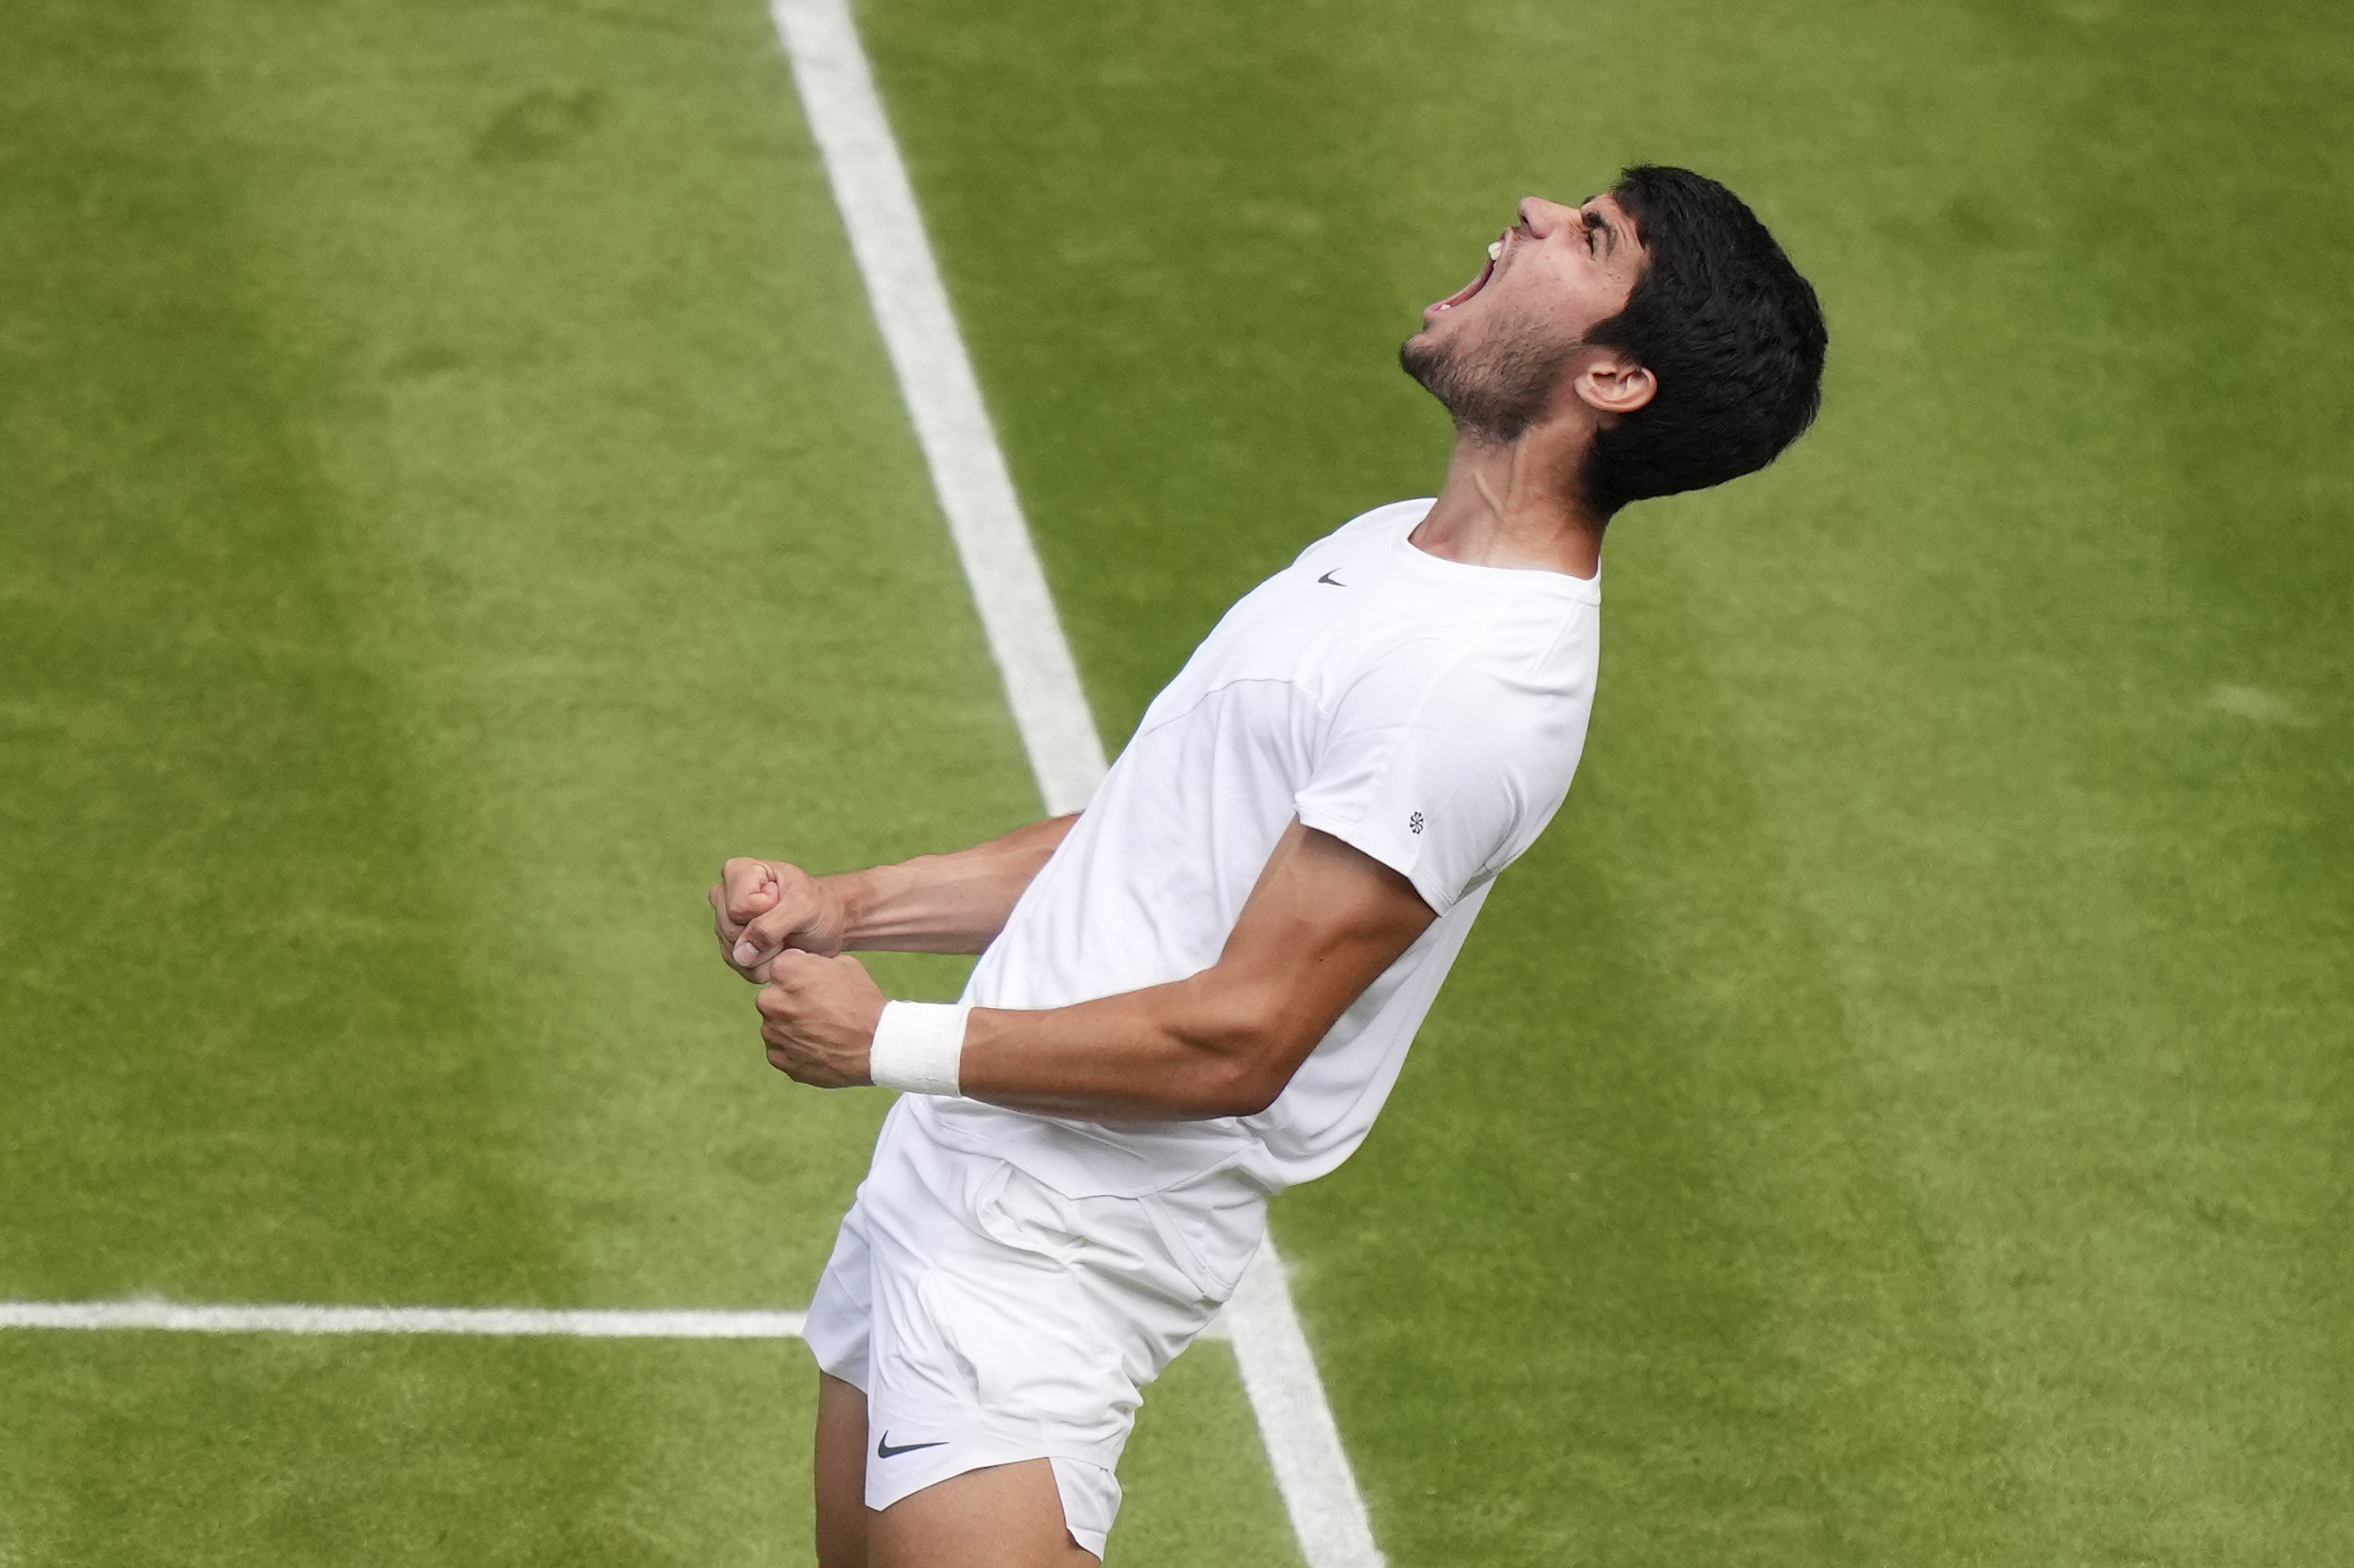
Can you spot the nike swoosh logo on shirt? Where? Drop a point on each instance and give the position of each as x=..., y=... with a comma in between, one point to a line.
x=882, y=1449
x=1329, y=577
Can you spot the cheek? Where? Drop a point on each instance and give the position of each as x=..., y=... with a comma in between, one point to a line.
x=1596, y=302
x=1565, y=293
x=1617, y=285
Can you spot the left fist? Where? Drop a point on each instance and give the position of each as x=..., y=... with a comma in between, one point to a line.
x=818, y=1017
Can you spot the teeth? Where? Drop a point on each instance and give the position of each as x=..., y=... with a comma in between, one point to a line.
x=1495, y=249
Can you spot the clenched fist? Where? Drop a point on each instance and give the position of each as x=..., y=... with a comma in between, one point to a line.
x=764, y=907
x=818, y=1017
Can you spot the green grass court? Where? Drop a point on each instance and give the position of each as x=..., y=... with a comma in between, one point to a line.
x=452, y=494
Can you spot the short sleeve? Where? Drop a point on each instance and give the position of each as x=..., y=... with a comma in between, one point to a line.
x=1441, y=768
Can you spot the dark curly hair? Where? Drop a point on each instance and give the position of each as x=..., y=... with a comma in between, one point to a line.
x=1729, y=329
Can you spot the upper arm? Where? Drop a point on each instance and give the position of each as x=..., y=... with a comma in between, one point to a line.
x=1436, y=769
x=1322, y=922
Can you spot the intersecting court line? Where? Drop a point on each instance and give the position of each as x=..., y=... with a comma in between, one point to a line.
x=1042, y=682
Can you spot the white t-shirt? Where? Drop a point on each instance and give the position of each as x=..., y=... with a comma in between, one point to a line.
x=1427, y=712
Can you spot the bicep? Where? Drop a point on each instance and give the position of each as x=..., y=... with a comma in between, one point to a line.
x=1322, y=922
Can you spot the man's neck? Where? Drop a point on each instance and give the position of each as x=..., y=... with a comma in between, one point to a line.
x=1504, y=506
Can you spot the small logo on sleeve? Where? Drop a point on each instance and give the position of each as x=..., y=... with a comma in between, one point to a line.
x=1329, y=577
x=1414, y=823
x=884, y=1449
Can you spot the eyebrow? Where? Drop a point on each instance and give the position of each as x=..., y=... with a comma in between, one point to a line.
x=1609, y=231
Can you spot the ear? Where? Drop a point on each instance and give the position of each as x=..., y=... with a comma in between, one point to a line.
x=1611, y=385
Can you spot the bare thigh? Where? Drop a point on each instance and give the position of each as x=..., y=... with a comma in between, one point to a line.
x=1006, y=1515
x=841, y=1471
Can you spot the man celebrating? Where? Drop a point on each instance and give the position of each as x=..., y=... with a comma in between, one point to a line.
x=1199, y=989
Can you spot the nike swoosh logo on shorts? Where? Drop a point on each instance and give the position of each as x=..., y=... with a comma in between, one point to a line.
x=882, y=1449
x=1329, y=577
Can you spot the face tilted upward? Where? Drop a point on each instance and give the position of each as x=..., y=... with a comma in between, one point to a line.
x=1496, y=351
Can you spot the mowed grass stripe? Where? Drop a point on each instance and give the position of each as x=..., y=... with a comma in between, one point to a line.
x=194, y=734
x=1896, y=1117
x=455, y=497
x=652, y=557
x=134, y=1448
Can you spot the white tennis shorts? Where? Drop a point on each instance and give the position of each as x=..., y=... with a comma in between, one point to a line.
x=990, y=1319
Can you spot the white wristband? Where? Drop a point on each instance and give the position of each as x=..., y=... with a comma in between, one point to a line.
x=918, y=1046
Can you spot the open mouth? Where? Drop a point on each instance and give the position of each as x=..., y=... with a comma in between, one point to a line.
x=1495, y=253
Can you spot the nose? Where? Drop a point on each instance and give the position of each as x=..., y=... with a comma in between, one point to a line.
x=1542, y=216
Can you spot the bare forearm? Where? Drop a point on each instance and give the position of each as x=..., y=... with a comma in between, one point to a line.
x=1322, y=924
x=1196, y=1049
x=944, y=903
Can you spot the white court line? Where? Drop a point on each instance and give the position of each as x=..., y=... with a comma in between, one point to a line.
x=295, y=1319
x=911, y=306
x=298, y=1317
x=1041, y=684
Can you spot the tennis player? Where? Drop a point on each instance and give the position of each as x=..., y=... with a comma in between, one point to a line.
x=1198, y=991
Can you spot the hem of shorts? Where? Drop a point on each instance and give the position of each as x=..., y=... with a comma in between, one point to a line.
x=907, y=1482
x=1090, y=1540
x=899, y=1486
x=858, y=1382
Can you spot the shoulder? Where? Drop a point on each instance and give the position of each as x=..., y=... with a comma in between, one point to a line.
x=1512, y=698
x=1526, y=642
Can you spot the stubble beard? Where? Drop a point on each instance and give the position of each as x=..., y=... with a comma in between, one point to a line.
x=1495, y=389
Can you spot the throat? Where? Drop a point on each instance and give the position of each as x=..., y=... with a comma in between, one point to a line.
x=1496, y=511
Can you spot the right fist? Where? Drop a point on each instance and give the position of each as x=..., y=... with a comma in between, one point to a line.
x=763, y=907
